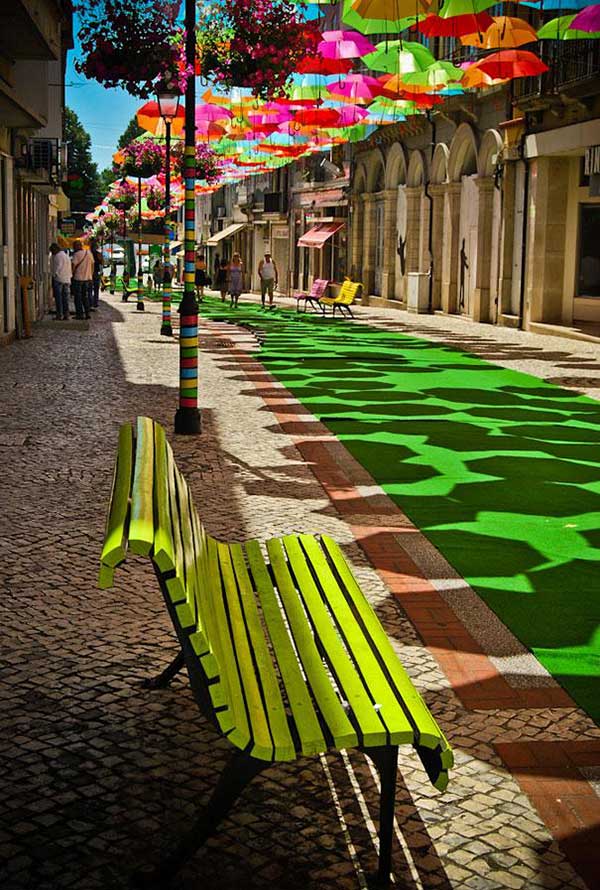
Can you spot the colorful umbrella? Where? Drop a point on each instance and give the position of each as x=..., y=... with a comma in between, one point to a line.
x=561, y=29
x=392, y=10
x=506, y=31
x=319, y=65
x=455, y=26
x=374, y=26
x=399, y=57
x=587, y=20
x=317, y=117
x=359, y=88
x=512, y=63
x=211, y=112
x=344, y=45
x=435, y=77
x=148, y=117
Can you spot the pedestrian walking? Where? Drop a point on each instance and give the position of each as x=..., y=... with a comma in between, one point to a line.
x=221, y=278
x=82, y=264
x=60, y=269
x=464, y=265
x=269, y=276
x=216, y=267
x=157, y=274
x=236, y=279
x=201, y=280
x=96, y=276
x=113, y=276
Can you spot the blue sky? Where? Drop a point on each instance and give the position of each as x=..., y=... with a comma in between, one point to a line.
x=104, y=113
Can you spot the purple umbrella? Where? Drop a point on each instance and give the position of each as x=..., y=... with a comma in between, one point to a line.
x=587, y=20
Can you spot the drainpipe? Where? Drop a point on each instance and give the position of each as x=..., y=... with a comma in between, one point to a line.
x=430, y=199
x=524, y=229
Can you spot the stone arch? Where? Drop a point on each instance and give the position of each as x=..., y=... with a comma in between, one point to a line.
x=416, y=169
x=395, y=167
x=359, y=186
x=491, y=145
x=462, y=159
x=439, y=164
x=375, y=171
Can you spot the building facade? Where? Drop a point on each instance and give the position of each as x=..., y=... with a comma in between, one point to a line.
x=34, y=38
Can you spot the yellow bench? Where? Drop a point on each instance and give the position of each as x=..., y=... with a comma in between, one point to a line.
x=346, y=297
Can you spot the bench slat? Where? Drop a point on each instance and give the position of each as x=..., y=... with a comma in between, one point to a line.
x=359, y=703
x=262, y=744
x=343, y=733
x=360, y=646
x=283, y=745
x=305, y=719
x=115, y=539
x=164, y=548
x=141, y=525
x=219, y=634
x=187, y=609
x=429, y=733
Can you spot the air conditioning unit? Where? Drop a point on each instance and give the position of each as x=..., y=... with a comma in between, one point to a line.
x=417, y=292
x=220, y=212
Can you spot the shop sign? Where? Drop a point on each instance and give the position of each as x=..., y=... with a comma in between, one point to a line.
x=592, y=160
x=68, y=226
x=279, y=231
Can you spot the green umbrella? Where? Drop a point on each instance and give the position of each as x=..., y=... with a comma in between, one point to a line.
x=437, y=75
x=452, y=8
x=399, y=57
x=558, y=29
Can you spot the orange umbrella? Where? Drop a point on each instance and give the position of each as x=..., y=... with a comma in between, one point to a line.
x=506, y=31
x=148, y=118
x=475, y=77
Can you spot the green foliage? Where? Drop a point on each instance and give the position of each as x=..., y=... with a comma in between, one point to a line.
x=106, y=178
x=132, y=132
x=83, y=185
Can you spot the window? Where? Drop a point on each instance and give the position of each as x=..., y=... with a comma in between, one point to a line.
x=589, y=251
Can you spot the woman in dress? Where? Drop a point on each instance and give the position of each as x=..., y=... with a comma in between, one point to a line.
x=221, y=276
x=201, y=281
x=236, y=279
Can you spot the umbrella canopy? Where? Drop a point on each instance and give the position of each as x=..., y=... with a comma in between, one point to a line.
x=435, y=77
x=210, y=112
x=551, y=5
x=512, y=63
x=317, y=117
x=456, y=26
x=374, y=26
x=475, y=77
x=344, y=45
x=357, y=87
x=561, y=29
x=399, y=57
x=148, y=117
x=319, y=65
x=391, y=10
x=587, y=20
x=506, y=31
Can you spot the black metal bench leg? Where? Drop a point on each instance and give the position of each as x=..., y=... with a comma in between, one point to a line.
x=238, y=773
x=171, y=671
x=385, y=759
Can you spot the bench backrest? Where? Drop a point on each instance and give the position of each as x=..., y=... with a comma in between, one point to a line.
x=319, y=287
x=152, y=514
x=348, y=292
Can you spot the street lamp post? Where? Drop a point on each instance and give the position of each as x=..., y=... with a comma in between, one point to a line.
x=140, y=273
x=187, y=418
x=168, y=106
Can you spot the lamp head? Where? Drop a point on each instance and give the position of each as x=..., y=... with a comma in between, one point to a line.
x=168, y=104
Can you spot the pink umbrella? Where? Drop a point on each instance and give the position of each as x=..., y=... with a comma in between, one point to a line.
x=351, y=114
x=356, y=87
x=587, y=20
x=212, y=113
x=344, y=45
x=274, y=116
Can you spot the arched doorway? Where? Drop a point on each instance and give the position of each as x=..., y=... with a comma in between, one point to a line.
x=460, y=223
x=394, y=271
x=437, y=188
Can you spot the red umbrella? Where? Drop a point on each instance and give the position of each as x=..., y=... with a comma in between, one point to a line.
x=511, y=63
x=317, y=117
x=456, y=25
x=319, y=65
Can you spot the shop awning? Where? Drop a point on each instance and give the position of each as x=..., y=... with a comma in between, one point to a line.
x=174, y=246
x=318, y=235
x=226, y=233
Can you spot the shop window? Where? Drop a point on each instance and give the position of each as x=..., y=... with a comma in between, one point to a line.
x=589, y=251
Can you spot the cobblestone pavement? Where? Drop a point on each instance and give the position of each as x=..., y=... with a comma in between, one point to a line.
x=100, y=776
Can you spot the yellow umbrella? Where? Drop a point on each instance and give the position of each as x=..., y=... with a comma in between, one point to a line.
x=391, y=10
x=506, y=31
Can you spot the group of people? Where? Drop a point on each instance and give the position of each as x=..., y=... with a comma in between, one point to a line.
x=229, y=278
x=79, y=275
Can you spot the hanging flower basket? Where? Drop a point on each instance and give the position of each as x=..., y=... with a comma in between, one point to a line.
x=207, y=163
x=132, y=44
x=123, y=196
x=142, y=159
x=254, y=43
x=156, y=197
x=111, y=220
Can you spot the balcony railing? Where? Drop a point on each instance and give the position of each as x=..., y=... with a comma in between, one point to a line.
x=571, y=62
x=42, y=161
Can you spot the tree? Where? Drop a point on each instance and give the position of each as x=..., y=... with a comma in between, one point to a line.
x=106, y=178
x=132, y=131
x=82, y=187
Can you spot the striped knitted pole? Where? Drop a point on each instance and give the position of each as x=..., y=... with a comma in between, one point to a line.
x=165, y=328
x=140, y=273
x=187, y=418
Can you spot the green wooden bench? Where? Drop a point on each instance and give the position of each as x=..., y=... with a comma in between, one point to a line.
x=285, y=655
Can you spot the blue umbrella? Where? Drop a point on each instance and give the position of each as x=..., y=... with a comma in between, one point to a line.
x=553, y=5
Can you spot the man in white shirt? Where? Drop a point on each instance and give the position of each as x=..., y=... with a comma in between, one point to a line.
x=82, y=263
x=60, y=269
x=269, y=276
